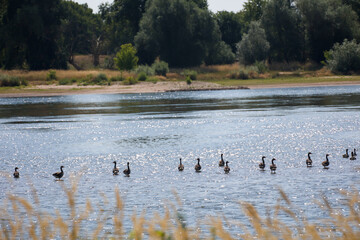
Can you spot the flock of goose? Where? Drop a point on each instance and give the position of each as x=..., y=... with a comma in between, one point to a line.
x=222, y=163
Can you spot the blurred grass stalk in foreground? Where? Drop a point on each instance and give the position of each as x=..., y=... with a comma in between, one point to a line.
x=20, y=219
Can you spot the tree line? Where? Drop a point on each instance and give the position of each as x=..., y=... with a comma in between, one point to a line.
x=43, y=34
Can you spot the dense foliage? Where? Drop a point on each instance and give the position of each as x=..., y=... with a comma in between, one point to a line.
x=345, y=57
x=178, y=31
x=126, y=58
x=42, y=34
x=253, y=46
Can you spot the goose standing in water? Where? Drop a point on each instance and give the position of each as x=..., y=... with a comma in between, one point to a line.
x=352, y=156
x=127, y=171
x=221, y=162
x=262, y=164
x=16, y=173
x=181, y=166
x=326, y=163
x=309, y=161
x=60, y=174
x=355, y=152
x=346, y=155
x=197, y=166
x=273, y=166
x=226, y=168
x=115, y=169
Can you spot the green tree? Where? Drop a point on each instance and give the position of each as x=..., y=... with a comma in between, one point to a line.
x=30, y=33
x=221, y=53
x=121, y=20
x=282, y=25
x=230, y=26
x=126, y=58
x=327, y=22
x=355, y=5
x=253, y=46
x=252, y=11
x=80, y=31
x=177, y=31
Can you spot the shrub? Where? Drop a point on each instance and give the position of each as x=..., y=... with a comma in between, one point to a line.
x=146, y=69
x=9, y=81
x=142, y=76
x=261, y=67
x=130, y=81
x=191, y=74
x=100, y=79
x=51, y=75
x=152, y=79
x=67, y=81
x=109, y=63
x=117, y=79
x=344, y=58
x=160, y=68
x=188, y=80
x=243, y=75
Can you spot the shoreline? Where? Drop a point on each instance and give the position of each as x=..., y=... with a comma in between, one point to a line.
x=147, y=87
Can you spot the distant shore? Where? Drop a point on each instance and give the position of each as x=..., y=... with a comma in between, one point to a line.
x=147, y=87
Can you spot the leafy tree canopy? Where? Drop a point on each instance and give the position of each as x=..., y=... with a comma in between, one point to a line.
x=253, y=46
x=231, y=26
x=327, y=22
x=282, y=25
x=126, y=58
x=178, y=31
x=30, y=31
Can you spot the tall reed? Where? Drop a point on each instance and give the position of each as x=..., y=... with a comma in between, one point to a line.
x=20, y=219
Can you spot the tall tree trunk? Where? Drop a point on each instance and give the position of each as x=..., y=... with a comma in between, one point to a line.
x=72, y=62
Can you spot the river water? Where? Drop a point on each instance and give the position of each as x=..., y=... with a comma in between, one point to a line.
x=86, y=133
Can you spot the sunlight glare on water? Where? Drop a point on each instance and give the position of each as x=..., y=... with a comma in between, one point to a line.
x=86, y=133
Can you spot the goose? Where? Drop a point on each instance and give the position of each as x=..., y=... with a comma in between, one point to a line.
x=127, y=171
x=346, y=155
x=326, y=163
x=221, y=162
x=197, y=166
x=309, y=161
x=16, y=173
x=352, y=156
x=59, y=174
x=226, y=168
x=262, y=164
x=181, y=166
x=273, y=166
x=355, y=152
x=115, y=169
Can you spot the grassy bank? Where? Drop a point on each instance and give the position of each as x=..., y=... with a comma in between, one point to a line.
x=21, y=219
x=232, y=75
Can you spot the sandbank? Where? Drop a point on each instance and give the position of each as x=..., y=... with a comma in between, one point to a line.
x=148, y=87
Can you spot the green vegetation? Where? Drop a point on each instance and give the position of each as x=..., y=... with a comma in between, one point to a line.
x=253, y=46
x=51, y=76
x=126, y=58
x=191, y=74
x=130, y=81
x=344, y=58
x=160, y=68
x=335, y=223
x=142, y=76
x=183, y=33
x=10, y=81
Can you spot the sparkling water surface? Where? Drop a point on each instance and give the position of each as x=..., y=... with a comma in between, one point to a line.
x=86, y=133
